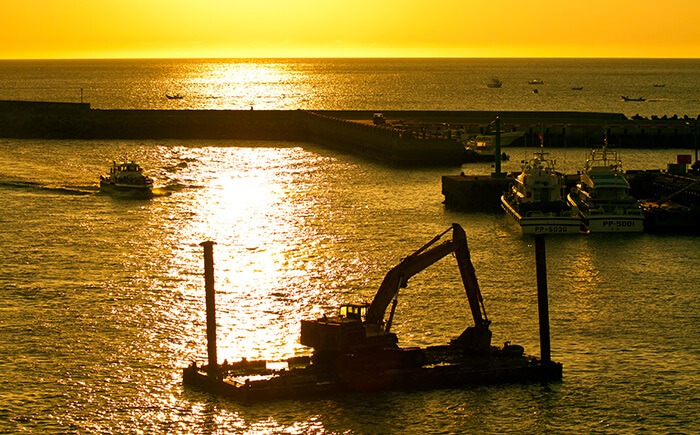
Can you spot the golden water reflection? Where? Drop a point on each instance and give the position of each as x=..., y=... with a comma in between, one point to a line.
x=245, y=84
x=239, y=198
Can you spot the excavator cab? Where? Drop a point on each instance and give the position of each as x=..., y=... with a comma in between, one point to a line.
x=346, y=331
x=354, y=311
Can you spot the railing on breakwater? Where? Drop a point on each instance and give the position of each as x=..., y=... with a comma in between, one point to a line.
x=383, y=142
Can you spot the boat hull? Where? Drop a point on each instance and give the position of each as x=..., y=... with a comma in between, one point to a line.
x=602, y=222
x=543, y=223
x=131, y=190
x=613, y=223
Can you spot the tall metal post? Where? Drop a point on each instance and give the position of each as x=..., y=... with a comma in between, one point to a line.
x=498, y=147
x=542, y=298
x=696, y=140
x=213, y=369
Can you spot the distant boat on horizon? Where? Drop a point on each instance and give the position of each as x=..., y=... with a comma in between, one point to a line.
x=626, y=98
x=494, y=83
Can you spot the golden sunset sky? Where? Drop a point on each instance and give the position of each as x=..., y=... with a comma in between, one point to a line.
x=48, y=29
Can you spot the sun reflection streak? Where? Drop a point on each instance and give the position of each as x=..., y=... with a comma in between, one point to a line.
x=257, y=215
x=243, y=84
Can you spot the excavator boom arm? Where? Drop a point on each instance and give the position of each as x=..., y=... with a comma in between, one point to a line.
x=471, y=285
x=399, y=275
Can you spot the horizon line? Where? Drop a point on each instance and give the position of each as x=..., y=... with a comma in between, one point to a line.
x=345, y=57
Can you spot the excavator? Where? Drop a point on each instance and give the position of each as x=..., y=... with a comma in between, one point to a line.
x=355, y=350
x=360, y=337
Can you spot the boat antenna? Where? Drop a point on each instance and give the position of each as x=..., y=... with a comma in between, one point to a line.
x=541, y=136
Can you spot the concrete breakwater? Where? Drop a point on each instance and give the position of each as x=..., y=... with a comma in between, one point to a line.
x=382, y=142
x=20, y=119
x=408, y=138
x=79, y=121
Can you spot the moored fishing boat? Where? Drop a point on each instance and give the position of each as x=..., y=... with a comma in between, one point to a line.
x=603, y=198
x=126, y=177
x=536, y=200
x=482, y=147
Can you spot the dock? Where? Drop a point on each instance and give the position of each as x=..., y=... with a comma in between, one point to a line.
x=474, y=193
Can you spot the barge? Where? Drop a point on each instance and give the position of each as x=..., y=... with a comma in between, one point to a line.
x=354, y=350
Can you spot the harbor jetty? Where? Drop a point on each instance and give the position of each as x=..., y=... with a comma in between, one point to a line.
x=402, y=138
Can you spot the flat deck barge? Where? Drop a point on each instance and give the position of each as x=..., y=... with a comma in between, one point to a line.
x=239, y=382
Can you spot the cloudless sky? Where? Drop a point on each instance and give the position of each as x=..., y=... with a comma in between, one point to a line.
x=339, y=28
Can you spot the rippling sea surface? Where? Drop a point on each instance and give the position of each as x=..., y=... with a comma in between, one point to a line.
x=669, y=86
x=102, y=297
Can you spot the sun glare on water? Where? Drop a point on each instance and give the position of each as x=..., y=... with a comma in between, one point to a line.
x=246, y=84
x=243, y=205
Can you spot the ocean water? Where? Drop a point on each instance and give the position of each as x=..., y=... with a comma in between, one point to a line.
x=102, y=300
x=363, y=84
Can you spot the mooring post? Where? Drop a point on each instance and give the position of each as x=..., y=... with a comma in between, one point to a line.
x=542, y=299
x=213, y=368
x=497, y=157
x=498, y=146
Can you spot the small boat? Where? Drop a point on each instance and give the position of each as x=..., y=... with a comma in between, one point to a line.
x=602, y=196
x=378, y=118
x=126, y=177
x=535, y=82
x=174, y=97
x=626, y=98
x=536, y=200
x=577, y=88
x=494, y=83
x=482, y=147
x=659, y=85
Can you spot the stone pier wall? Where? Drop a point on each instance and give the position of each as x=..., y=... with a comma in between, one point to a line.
x=395, y=142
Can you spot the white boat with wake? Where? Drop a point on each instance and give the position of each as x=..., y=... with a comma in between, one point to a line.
x=127, y=178
x=603, y=197
x=536, y=200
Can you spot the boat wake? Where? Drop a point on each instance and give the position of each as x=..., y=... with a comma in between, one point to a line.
x=176, y=167
x=161, y=191
x=32, y=186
